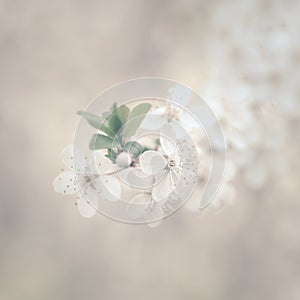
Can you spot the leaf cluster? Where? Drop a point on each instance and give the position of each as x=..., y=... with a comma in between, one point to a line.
x=116, y=128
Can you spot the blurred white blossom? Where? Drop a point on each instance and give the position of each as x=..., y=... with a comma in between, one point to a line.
x=179, y=97
x=254, y=87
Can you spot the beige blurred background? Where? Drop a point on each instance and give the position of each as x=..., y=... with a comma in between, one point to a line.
x=55, y=57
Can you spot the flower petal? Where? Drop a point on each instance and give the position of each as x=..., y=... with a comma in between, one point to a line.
x=152, y=162
x=85, y=209
x=154, y=119
x=163, y=189
x=100, y=163
x=67, y=156
x=187, y=121
x=182, y=152
x=180, y=131
x=135, y=178
x=111, y=188
x=180, y=94
x=73, y=158
x=168, y=139
x=65, y=183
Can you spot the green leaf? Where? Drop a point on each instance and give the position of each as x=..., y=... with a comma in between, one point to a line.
x=123, y=113
x=113, y=107
x=96, y=122
x=134, y=148
x=111, y=154
x=145, y=149
x=114, y=122
x=135, y=119
x=93, y=120
x=100, y=141
x=106, y=130
x=105, y=115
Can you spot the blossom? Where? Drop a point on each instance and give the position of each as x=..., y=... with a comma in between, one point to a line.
x=260, y=70
x=234, y=115
x=87, y=178
x=175, y=169
x=179, y=97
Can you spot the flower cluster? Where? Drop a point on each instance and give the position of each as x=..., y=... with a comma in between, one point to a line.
x=149, y=156
x=148, y=173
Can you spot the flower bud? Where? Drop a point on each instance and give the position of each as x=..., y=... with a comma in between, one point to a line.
x=124, y=160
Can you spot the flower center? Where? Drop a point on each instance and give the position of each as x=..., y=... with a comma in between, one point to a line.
x=87, y=179
x=172, y=163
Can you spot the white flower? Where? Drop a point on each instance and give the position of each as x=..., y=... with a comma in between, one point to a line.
x=178, y=96
x=87, y=178
x=235, y=116
x=142, y=205
x=175, y=169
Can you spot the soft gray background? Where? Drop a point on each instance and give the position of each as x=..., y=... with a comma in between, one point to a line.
x=55, y=57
